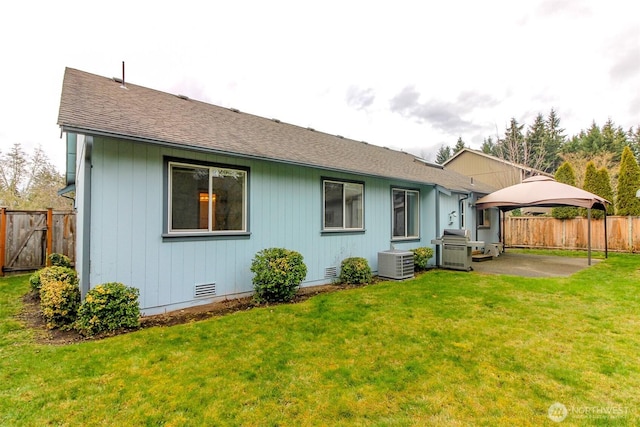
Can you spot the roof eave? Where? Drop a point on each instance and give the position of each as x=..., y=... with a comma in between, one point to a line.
x=174, y=145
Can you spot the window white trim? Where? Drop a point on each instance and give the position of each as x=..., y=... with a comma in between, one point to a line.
x=207, y=196
x=347, y=210
x=404, y=215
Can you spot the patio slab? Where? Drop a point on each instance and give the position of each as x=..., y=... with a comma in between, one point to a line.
x=527, y=265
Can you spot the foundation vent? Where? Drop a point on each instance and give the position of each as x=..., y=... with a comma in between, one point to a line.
x=331, y=272
x=204, y=290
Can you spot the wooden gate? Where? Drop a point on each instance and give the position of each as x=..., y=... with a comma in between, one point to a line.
x=27, y=238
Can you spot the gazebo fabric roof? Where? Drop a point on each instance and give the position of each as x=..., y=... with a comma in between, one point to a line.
x=541, y=191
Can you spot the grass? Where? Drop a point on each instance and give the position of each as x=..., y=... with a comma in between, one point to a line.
x=448, y=348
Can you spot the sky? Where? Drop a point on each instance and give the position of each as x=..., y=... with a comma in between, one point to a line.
x=408, y=75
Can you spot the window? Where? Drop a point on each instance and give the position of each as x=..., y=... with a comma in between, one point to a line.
x=406, y=214
x=484, y=218
x=343, y=205
x=207, y=199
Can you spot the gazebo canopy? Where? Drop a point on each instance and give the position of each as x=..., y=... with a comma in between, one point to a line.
x=541, y=191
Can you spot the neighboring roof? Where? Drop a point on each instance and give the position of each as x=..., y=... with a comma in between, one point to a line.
x=96, y=105
x=496, y=159
x=541, y=191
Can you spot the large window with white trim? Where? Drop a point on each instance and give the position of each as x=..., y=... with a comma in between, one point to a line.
x=206, y=199
x=343, y=205
x=406, y=213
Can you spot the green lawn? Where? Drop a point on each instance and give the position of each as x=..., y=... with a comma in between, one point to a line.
x=448, y=348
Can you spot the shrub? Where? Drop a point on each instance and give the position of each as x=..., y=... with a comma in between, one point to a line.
x=277, y=274
x=109, y=307
x=53, y=274
x=59, y=301
x=60, y=260
x=355, y=270
x=421, y=257
x=34, y=280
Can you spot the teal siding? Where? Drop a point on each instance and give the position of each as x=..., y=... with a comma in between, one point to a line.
x=284, y=211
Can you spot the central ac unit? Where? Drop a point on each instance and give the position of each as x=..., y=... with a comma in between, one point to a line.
x=395, y=264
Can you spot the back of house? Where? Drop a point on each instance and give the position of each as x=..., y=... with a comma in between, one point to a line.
x=175, y=196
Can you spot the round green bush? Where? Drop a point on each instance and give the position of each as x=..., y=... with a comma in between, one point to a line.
x=60, y=260
x=355, y=271
x=277, y=274
x=109, y=307
x=59, y=301
x=421, y=257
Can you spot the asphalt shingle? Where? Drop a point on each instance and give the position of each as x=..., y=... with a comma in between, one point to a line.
x=92, y=104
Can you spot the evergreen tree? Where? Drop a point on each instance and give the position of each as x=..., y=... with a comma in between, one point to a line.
x=459, y=145
x=628, y=183
x=535, y=143
x=591, y=185
x=566, y=175
x=604, y=188
x=554, y=140
x=443, y=154
x=488, y=147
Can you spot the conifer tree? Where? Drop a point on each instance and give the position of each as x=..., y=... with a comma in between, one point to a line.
x=459, y=145
x=443, y=154
x=628, y=183
x=604, y=188
x=591, y=185
x=566, y=175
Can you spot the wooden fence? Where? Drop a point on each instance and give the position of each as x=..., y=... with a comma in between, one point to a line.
x=27, y=238
x=551, y=233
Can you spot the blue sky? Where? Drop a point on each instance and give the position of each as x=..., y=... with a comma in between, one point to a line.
x=410, y=75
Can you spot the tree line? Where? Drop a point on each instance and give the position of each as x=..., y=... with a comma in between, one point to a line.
x=30, y=182
x=602, y=160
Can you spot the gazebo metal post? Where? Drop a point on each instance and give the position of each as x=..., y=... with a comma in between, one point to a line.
x=606, y=239
x=589, y=235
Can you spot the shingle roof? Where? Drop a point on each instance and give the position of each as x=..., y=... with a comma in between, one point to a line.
x=98, y=105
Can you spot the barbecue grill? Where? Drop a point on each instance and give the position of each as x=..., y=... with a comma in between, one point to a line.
x=456, y=249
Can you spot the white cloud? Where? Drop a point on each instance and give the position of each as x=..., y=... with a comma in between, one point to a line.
x=340, y=67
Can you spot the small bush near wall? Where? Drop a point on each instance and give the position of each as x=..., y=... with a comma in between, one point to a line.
x=355, y=271
x=59, y=301
x=277, y=274
x=109, y=307
x=421, y=257
x=60, y=260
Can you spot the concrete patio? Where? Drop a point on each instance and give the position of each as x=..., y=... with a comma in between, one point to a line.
x=527, y=265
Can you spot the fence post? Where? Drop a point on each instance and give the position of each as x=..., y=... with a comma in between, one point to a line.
x=3, y=238
x=49, y=235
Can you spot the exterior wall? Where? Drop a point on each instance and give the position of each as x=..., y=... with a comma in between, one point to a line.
x=486, y=170
x=285, y=210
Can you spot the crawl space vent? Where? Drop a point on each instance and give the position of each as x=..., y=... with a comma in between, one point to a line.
x=204, y=290
x=331, y=272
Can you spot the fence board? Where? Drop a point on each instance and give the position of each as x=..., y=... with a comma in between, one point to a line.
x=551, y=233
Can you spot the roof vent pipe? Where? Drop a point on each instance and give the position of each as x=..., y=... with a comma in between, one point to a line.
x=123, y=86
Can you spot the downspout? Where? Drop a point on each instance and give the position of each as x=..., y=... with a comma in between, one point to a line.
x=463, y=213
x=437, y=224
x=85, y=284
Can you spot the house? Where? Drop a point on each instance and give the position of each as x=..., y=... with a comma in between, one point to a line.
x=493, y=171
x=488, y=169
x=175, y=196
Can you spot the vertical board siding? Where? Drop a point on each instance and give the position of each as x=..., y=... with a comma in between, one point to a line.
x=284, y=210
